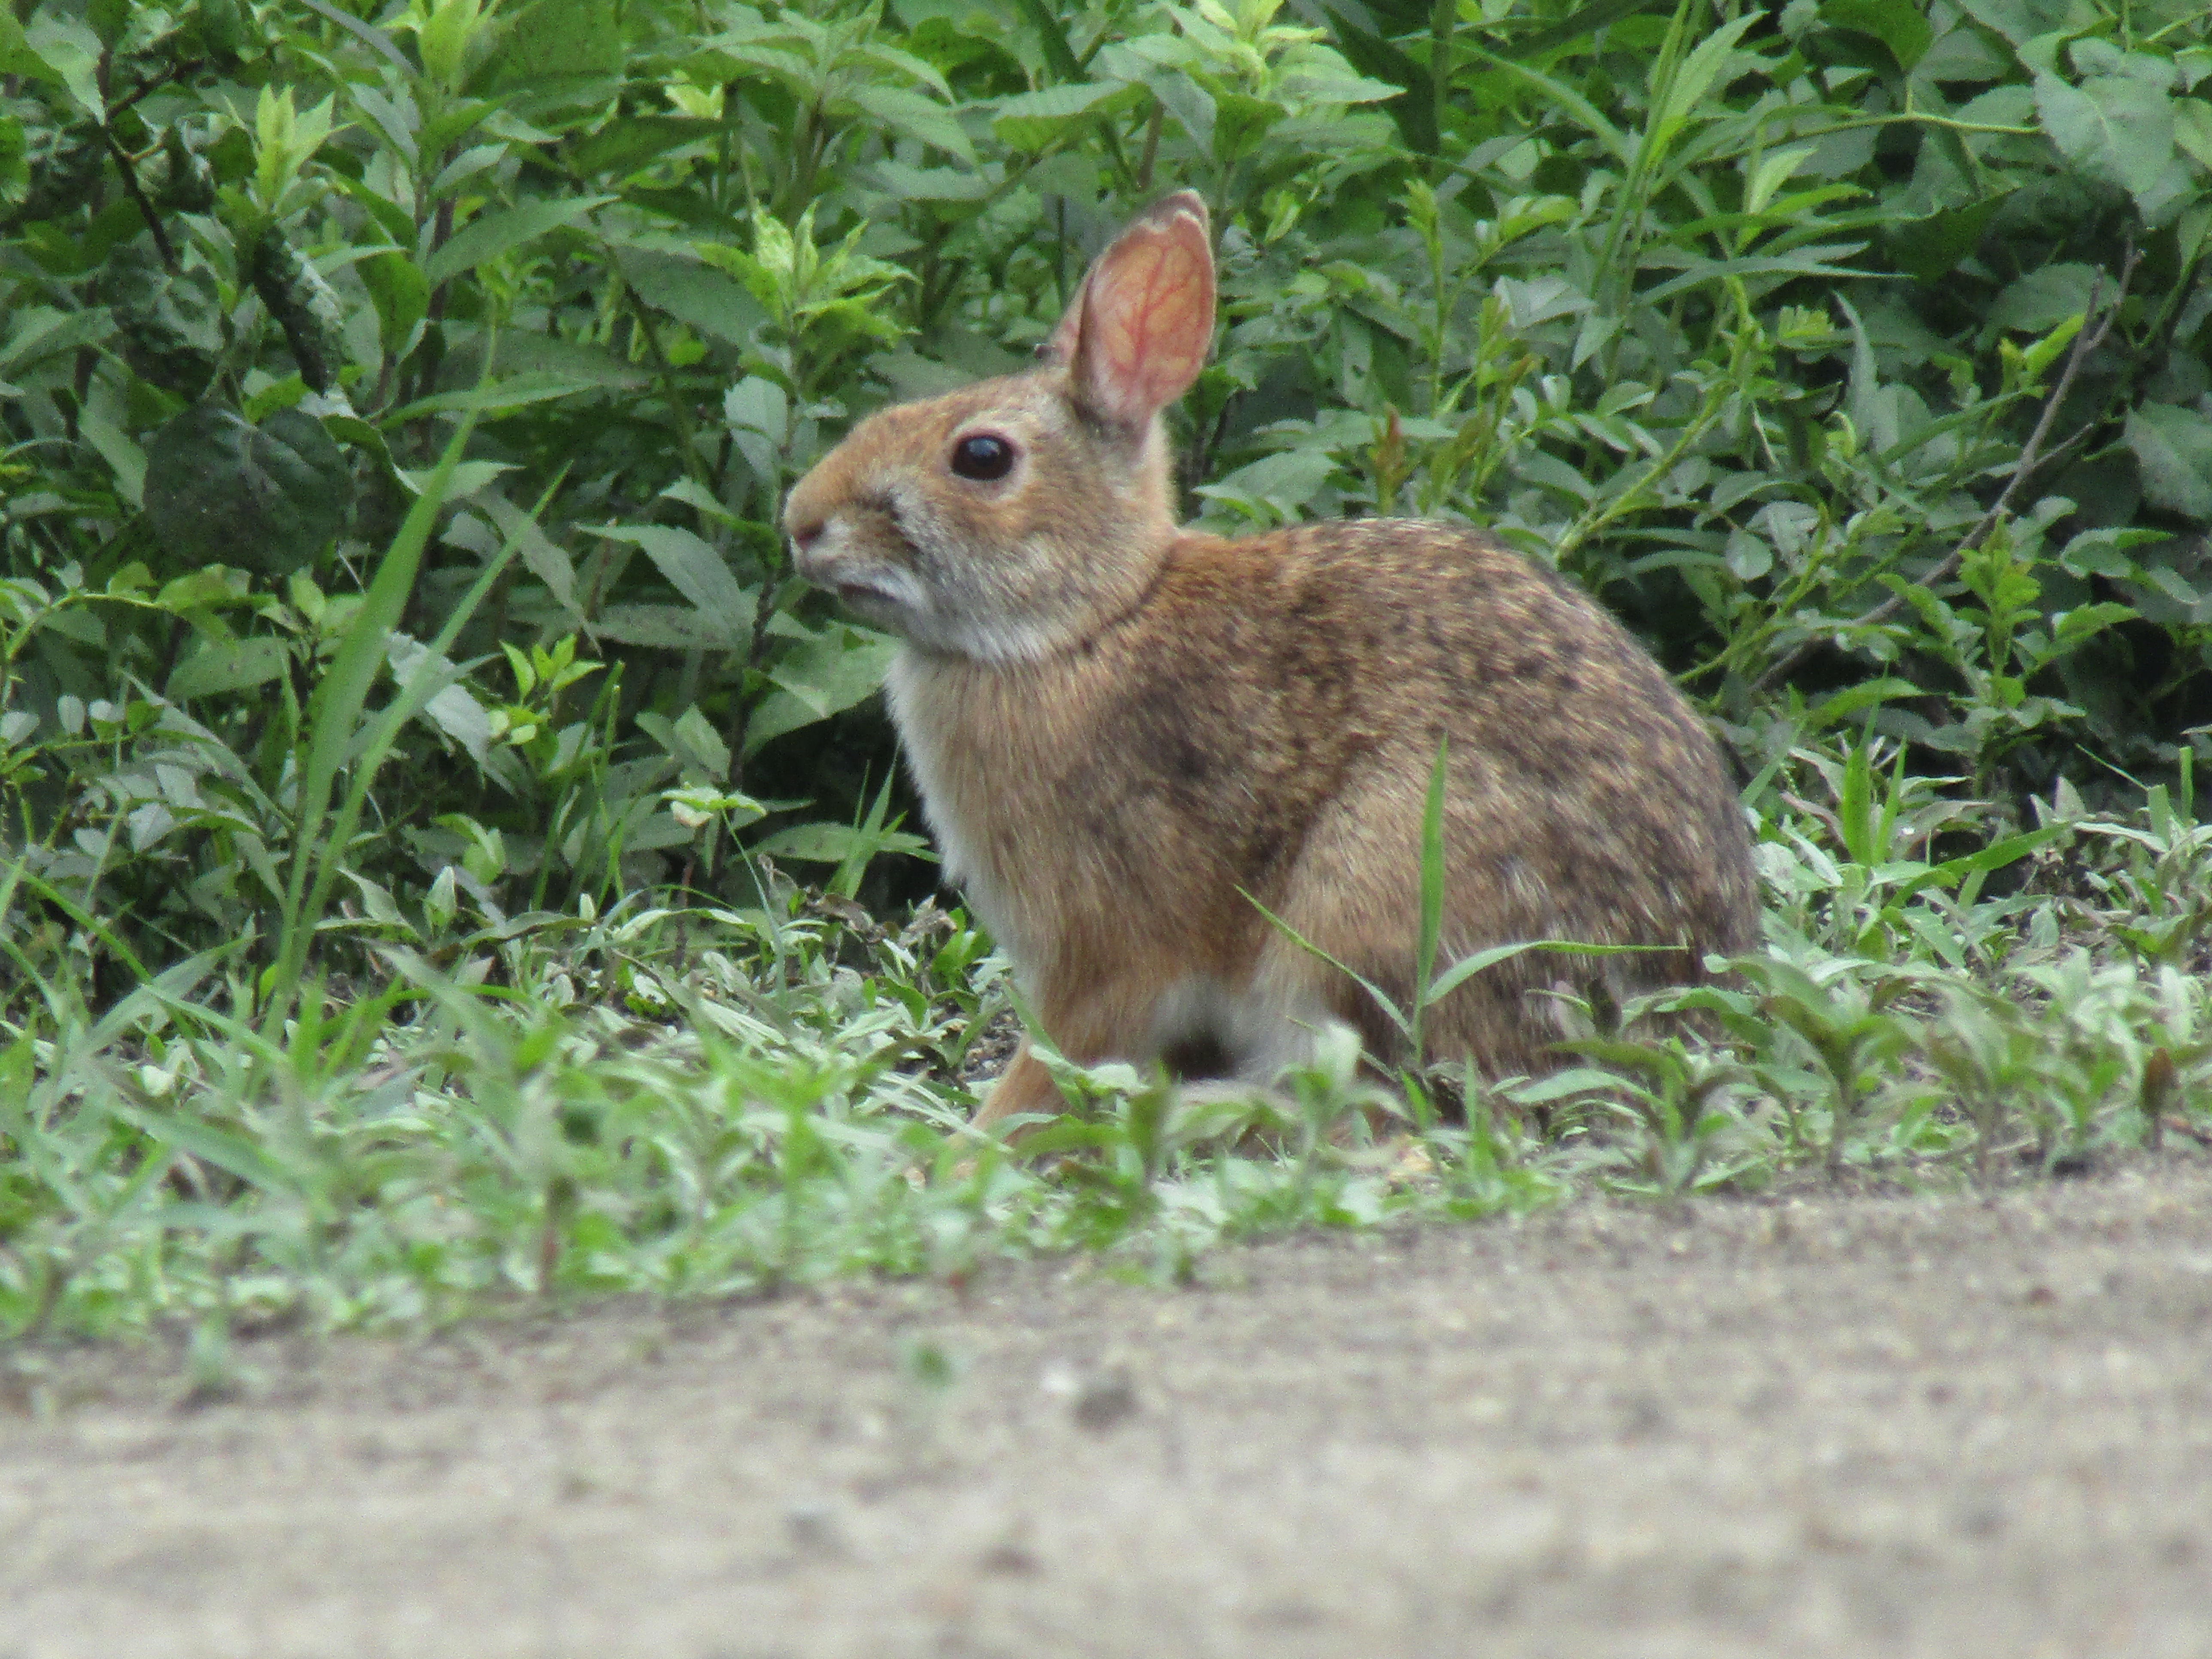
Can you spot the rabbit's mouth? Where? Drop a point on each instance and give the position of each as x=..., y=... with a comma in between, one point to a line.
x=884, y=600
x=865, y=595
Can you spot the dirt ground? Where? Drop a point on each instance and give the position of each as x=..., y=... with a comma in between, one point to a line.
x=1816, y=1425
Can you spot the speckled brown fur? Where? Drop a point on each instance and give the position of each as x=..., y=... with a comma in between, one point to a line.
x=1125, y=733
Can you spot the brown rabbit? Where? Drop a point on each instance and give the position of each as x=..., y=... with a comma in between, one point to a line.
x=1121, y=728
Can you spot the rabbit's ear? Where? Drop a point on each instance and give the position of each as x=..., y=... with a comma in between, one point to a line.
x=1143, y=320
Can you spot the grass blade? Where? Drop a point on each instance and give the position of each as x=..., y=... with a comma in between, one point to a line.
x=337, y=711
x=1469, y=966
x=1432, y=891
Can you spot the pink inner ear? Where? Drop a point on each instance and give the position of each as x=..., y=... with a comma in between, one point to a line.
x=1146, y=320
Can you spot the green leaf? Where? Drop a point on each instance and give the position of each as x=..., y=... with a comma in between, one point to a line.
x=1374, y=992
x=335, y=729
x=1052, y=35
x=2172, y=448
x=1469, y=966
x=40, y=334
x=493, y=233
x=227, y=666
x=2043, y=299
x=1697, y=73
x=2009, y=849
x=1571, y=103
x=693, y=293
x=17, y=56
x=2072, y=627
x=1379, y=60
x=668, y=628
x=1432, y=883
x=2192, y=129
x=915, y=116
x=494, y=398
x=557, y=52
x=622, y=146
x=1900, y=25
x=691, y=741
x=465, y=479
x=1028, y=121
x=401, y=293
x=697, y=572
x=220, y=491
x=833, y=843
x=1932, y=247
x=66, y=52
x=2113, y=127
x=825, y=677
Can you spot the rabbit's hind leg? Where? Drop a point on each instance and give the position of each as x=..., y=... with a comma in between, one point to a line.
x=1025, y=1087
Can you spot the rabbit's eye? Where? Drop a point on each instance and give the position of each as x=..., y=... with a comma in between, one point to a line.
x=983, y=458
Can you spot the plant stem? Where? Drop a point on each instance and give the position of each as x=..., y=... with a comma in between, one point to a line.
x=2031, y=460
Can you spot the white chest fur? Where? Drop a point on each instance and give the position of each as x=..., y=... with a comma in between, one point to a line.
x=926, y=694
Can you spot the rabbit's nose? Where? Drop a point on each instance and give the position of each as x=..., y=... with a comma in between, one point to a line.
x=806, y=532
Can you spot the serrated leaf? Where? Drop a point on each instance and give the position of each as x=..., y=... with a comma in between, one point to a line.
x=821, y=678
x=2042, y=299
x=695, y=293
x=221, y=666
x=2192, y=129
x=401, y=293
x=496, y=398
x=913, y=184
x=623, y=146
x=2172, y=448
x=2114, y=127
x=758, y=416
x=1900, y=25
x=1931, y=247
x=1030, y=120
x=450, y=709
x=546, y=559
x=69, y=53
x=697, y=571
x=40, y=334
x=833, y=843
x=665, y=627
x=903, y=63
x=691, y=742
x=555, y=52
x=491, y=234
x=915, y=116
x=465, y=479
x=17, y=56
x=220, y=491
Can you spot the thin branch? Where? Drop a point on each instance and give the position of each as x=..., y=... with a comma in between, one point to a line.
x=1152, y=147
x=2031, y=460
x=124, y=166
x=175, y=72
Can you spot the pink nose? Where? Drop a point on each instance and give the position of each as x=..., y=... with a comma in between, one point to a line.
x=804, y=536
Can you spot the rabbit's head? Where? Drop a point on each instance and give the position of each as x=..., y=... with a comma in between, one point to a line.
x=1003, y=520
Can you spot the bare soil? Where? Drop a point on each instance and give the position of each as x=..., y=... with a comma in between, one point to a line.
x=1816, y=1425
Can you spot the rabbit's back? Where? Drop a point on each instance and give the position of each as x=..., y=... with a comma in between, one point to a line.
x=1262, y=724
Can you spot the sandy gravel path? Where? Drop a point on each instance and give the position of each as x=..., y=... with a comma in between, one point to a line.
x=1844, y=1426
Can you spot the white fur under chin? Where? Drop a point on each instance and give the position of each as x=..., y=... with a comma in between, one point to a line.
x=923, y=736
x=998, y=643
x=892, y=596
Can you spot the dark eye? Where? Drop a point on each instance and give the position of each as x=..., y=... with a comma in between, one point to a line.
x=983, y=458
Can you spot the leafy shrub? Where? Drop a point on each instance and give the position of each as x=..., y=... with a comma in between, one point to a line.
x=1745, y=318
x=396, y=401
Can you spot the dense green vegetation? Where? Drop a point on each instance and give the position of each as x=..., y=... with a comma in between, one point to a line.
x=443, y=851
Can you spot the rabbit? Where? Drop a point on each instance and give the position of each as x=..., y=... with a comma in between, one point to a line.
x=1128, y=736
